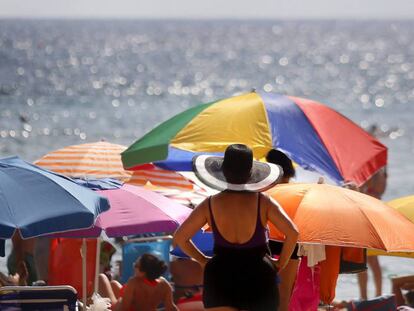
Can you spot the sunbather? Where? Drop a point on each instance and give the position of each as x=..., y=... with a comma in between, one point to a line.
x=187, y=275
x=22, y=251
x=145, y=291
x=19, y=278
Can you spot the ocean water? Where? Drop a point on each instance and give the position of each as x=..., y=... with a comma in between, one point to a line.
x=77, y=81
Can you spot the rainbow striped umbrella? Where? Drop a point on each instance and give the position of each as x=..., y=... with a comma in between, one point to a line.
x=103, y=160
x=315, y=136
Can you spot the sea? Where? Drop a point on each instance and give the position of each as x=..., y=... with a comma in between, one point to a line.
x=65, y=82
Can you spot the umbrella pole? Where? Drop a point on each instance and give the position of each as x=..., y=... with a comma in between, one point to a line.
x=84, y=248
x=97, y=263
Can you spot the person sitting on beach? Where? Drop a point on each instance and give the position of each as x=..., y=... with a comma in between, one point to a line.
x=287, y=275
x=19, y=278
x=187, y=275
x=22, y=252
x=145, y=291
x=241, y=275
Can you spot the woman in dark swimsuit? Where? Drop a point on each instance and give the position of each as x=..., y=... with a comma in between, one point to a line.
x=241, y=275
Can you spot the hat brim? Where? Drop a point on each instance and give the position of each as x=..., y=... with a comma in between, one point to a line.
x=209, y=170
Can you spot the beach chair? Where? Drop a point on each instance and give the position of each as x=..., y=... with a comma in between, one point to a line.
x=38, y=298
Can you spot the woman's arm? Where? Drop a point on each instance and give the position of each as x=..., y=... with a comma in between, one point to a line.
x=182, y=237
x=277, y=216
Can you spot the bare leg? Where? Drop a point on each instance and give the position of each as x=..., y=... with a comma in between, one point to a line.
x=288, y=277
x=105, y=288
x=363, y=281
x=377, y=274
x=399, y=283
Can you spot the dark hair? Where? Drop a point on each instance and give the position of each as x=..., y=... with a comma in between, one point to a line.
x=278, y=157
x=237, y=163
x=151, y=265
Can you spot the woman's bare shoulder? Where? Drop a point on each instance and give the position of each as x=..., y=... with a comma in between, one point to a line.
x=164, y=282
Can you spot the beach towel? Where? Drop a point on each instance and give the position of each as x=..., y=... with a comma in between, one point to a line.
x=65, y=263
x=305, y=294
x=329, y=273
x=314, y=253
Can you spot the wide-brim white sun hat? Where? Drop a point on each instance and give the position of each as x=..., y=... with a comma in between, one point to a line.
x=236, y=171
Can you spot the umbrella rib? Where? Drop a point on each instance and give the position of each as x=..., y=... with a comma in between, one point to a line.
x=53, y=181
x=370, y=224
x=8, y=207
x=57, y=184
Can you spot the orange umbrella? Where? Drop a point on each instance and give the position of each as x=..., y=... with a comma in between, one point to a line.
x=332, y=215
x=103, y=160
x=405, y=206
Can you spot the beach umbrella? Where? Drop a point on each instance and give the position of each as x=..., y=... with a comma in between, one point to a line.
x=134, y=210
x=39, y=202
x=404, y=205
x=187, y=198
x=204, y=242
x=313, y=135
x=332, y=215
x=103, y=160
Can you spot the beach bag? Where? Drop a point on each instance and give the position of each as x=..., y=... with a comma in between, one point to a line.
x=305, y=294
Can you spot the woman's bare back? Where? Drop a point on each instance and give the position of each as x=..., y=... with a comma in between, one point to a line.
x=149, y=297
x=235, y=215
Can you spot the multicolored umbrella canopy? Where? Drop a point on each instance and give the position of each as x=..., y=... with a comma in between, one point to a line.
x=103, y=160
x=39, y=202
x=333, y=215
x=315, y=136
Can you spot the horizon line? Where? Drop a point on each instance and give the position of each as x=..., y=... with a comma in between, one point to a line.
x=206, y=18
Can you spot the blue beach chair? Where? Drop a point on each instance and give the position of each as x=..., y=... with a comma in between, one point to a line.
x=38, y=298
